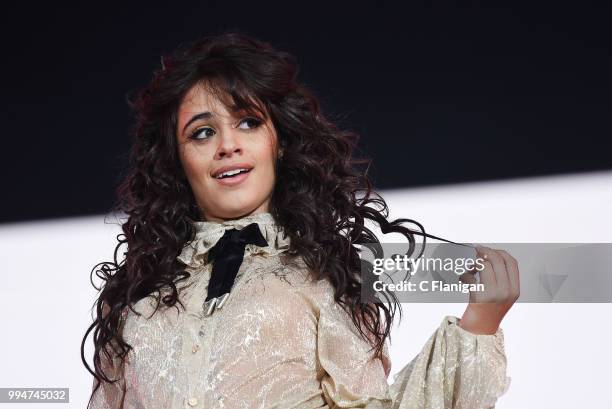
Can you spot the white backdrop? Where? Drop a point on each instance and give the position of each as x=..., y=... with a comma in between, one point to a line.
x=557, y=353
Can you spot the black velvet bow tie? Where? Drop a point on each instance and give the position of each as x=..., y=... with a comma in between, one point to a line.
x=227, y=255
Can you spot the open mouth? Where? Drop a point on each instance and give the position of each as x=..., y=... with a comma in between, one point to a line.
x=231, y=174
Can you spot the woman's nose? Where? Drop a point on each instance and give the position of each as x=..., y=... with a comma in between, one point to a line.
x=229, y=143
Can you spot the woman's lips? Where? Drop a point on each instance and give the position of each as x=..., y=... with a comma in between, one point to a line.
x=234, y=180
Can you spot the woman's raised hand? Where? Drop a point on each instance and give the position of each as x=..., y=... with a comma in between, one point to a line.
x=500, y=277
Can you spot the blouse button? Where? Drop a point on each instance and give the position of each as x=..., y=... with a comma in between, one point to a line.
x=192, y=401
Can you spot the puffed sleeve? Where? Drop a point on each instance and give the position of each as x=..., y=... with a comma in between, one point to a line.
x=455, y=369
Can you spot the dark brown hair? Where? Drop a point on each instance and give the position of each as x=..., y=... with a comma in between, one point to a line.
x=321, y=197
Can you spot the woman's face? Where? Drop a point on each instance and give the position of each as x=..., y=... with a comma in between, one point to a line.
x=212, y=141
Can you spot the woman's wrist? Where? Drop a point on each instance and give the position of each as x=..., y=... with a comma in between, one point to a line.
x=474, y=320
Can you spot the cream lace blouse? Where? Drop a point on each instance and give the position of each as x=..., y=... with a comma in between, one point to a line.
x=280, y=341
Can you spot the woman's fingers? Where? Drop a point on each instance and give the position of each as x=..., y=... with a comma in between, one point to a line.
x=495, y=275
x=513, y=273
x=487, y=274
x=500, y=277
x=468, y=277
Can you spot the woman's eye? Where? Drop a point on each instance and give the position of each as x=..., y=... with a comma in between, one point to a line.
x=251, y=123
x=205, y=131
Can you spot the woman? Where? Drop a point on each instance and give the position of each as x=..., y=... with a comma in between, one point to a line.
x=240, y=288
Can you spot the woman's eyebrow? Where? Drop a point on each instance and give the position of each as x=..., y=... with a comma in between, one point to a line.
x=201, y=115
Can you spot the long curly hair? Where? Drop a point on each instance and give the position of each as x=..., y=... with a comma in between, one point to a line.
x=322, y=195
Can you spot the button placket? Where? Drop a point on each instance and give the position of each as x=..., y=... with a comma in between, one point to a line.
x=206, y=334
x=194, y=342
x=193, y=397
x=202, y=333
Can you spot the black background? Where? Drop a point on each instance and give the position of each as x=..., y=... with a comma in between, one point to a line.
x=440, y=92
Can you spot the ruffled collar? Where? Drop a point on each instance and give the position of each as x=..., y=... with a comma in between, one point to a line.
x=207, y=233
